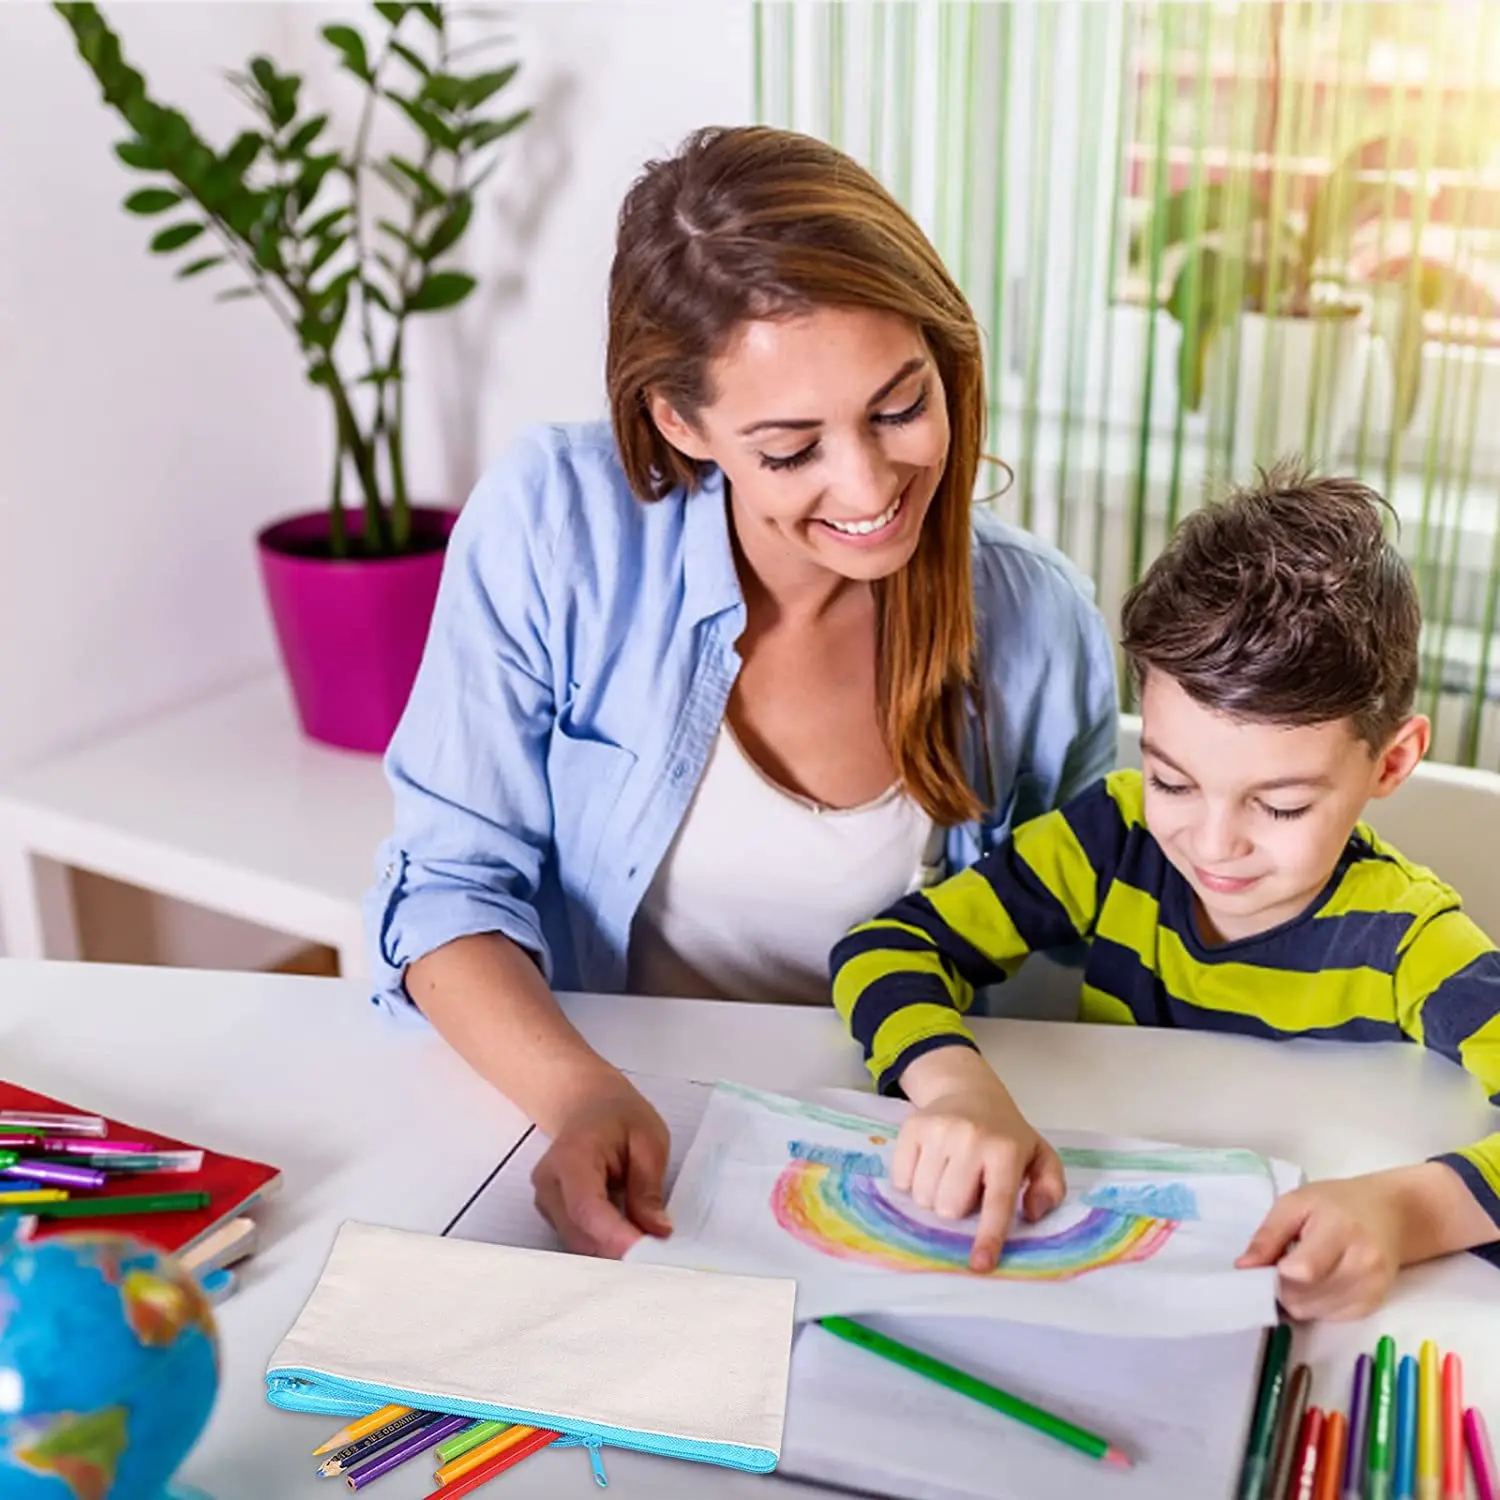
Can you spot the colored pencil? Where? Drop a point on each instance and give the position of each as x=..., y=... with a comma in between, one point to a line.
x=351, y=1432
x=1331, y=1456
x=456, y=1468
x=1405, y=1486
x=367, y=1470
x=1288, y=1432
x=1381, y=1450
x=480, y=1432
x=32, y=1195
x=1455, y=1481
x=1260, y=1449
x=1481, y=1455
x=476, y=1478
x=351, y=1452
x=1429, y=1424
x=125, y=1204
x=1032, y=1416
x=1356, y=1450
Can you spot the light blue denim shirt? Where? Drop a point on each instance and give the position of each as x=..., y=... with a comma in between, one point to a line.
x=581, y=654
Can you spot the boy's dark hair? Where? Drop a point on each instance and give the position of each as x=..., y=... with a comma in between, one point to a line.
x=1283, y=603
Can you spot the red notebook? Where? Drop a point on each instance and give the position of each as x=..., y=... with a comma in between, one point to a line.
x=230, y=1181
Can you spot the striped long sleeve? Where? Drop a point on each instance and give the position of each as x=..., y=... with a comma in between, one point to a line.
x=903, y=981
x=1448, y=998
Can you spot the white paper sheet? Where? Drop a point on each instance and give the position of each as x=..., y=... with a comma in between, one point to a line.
x=1143, y=1245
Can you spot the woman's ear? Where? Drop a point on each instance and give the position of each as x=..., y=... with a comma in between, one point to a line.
x=680, y=434
x=1402, y=754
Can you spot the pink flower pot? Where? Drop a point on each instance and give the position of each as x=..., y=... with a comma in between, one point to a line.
x=351, y=632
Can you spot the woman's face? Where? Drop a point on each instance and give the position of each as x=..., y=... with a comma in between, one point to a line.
x=832, y=431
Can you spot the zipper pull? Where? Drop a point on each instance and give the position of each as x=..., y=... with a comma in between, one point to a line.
x=596, y=1458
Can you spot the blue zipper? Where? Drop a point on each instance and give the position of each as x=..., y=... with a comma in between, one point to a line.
x=294, y=1389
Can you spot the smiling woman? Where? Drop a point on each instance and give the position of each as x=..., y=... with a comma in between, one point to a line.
x=709, y=684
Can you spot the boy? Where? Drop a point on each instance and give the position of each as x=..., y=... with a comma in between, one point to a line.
x=1229, y=885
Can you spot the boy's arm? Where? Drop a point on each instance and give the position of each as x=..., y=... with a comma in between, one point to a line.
x=903, y=980
x=1448, y=998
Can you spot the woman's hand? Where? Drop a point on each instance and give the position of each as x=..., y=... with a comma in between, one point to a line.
x=600, y=1183
x=968, y=1145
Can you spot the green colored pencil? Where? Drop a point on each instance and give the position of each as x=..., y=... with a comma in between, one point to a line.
x=470, y=1437
x=1053, y=1426
x=126, y=1203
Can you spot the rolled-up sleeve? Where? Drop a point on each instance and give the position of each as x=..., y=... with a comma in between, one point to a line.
x=467, y=764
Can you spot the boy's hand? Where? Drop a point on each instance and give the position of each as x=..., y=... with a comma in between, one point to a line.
x=968, y=1144
x=1337, y=1245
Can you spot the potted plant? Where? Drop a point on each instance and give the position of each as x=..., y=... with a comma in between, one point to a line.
x=345, y=245
x=1305, y=294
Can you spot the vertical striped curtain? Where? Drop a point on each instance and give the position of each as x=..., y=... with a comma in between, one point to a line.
x=1199, y=237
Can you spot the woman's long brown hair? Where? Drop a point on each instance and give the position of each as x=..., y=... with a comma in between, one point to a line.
x=750, y=223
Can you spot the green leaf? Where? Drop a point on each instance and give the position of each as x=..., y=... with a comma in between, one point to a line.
x=431, y=13
x=484, y=86
x=1198, y=279
x=152, y=200
x=413, y=60
x=441, y=134
x=310, y=179
x=485, y=132
x=326, y=251
x=243, y=151
x=378, y=297
x=397, y=233
x=379, y=377
x=391, y=12
x=197, y=267
x=352, y=45
x=305, y=135
x=441, y=290
x=443, y=90
x=175, y=237
x=431, y=193
x=236, y=294
x=322, y=226
x=450, y=228
x=138, y=154
x=263, y=71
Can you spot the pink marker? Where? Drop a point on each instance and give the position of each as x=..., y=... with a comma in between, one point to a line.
x=91, y=1146
x=1481, y=1456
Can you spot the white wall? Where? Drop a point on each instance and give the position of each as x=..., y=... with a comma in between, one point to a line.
x=145, y=432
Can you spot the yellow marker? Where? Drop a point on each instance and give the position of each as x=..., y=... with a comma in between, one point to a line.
x=33, y=1195
x=456, y=1468
x=362, y=1428
x=1429, y=1425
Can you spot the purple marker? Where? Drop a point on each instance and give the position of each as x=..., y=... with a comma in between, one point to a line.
x=418, y=1442
x=1359, y=1430
x=56, y=1173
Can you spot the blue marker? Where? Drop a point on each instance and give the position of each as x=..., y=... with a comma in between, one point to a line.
x=1405, y=1487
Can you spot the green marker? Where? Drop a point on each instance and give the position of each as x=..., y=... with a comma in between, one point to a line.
x=126, y=1203
x=977, y=1390
x=1378, y=1471
x=1267, y=1409
x=9, y=1158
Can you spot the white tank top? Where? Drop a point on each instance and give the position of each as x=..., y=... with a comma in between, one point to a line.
x=759, y=884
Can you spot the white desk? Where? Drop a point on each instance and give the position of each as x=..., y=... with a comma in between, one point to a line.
x=223, y=803
x=376, y=1122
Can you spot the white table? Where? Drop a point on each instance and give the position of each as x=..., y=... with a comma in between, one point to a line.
x=224, y=803
x=378, y=1122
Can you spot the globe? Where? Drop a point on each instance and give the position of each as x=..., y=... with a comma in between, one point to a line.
x=108, y=1368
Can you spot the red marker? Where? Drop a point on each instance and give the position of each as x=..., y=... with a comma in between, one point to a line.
x=1304, y=1481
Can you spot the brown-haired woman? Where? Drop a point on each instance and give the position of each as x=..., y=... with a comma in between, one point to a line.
x=707, y=685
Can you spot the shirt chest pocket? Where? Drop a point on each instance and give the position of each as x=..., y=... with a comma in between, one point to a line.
x=586, y=778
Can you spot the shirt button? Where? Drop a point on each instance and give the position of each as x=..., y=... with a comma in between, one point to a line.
x=679, y=770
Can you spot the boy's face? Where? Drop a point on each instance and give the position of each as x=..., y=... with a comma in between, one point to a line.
x=1254, y=816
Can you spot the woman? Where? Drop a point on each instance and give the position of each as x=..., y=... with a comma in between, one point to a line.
x=708, y=685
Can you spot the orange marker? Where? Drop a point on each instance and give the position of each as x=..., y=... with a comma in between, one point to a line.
x=456, y=1468
x=1455, y=1481
x=1331, y=1456
x=497, y=1465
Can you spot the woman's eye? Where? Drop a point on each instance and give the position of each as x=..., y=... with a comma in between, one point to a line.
x=791, y=460
x=907, y=414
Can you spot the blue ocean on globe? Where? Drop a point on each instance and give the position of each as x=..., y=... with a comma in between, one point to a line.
x=108, y=1367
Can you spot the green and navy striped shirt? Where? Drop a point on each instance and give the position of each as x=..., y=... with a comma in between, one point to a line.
x=1385, y=953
